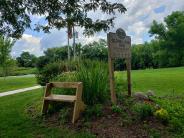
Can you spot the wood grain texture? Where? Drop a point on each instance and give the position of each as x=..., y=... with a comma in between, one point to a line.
x=119, y=47
x=79, y=105
x=64, y=98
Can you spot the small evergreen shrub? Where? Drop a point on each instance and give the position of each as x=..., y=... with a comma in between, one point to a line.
x=47, y=72
x=143, y=110
x=162, y=115
x=116, y=109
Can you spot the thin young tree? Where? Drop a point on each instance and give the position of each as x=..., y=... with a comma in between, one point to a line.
x=5, y=57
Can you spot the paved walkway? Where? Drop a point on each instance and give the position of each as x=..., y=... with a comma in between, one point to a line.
x=19, y=91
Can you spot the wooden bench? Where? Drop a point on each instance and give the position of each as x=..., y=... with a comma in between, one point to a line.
x=76, y=99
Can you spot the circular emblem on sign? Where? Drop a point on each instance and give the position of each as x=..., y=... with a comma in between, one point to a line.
x=121, y=33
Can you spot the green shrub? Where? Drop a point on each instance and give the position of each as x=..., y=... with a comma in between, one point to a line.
x=143, y=110
x=42, y=62
x=48, y=72
x=116, y=109
x=162, y=115
x=93, y=111
x=94, y=75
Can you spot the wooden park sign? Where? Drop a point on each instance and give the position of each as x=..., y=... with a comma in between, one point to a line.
x=119, y=46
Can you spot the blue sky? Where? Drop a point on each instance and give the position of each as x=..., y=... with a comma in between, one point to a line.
x=136, y=22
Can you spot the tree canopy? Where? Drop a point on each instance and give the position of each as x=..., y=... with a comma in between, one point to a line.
x=96, y=50
x=170, y=32
x=15, y=15
x=5, y=57
x=26, y=60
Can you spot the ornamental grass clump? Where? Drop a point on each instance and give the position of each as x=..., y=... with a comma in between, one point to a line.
x=94, y=75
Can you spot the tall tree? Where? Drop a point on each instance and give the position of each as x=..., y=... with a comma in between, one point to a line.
x=172, y=31
x=15, y=15
x=5, y=57
x=26, y=60
x=56, y=53
x=96, y=50
x=58, y=14
x=171, y=37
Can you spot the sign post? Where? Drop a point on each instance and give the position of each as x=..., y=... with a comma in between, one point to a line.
x=119, y=46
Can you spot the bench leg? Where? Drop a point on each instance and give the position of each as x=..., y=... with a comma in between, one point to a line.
x=78, y=107
x=45, y=106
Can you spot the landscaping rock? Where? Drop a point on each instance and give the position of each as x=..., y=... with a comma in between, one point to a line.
x=157, y=106
x=140, y=96
x=150, y=93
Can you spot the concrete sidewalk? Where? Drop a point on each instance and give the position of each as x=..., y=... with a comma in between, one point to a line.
x=19, y=91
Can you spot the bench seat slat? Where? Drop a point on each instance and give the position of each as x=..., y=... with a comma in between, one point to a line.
x=64, y=98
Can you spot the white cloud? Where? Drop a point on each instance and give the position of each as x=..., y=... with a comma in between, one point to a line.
x=140, y=14
x=138, y=29
x=27, y=43
x=30, y=39
x=54, y=39
x=136, y=22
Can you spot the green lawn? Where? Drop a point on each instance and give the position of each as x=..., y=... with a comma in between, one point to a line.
x=16, y=123
x=13, y=83
x=161, y=81
x=23, y=71
x=17, y=71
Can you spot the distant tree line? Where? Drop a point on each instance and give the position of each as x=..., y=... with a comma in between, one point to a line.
x=159, y=53
x=166, y=50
